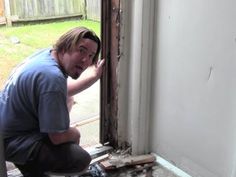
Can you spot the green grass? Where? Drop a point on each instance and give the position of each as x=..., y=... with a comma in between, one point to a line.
x=33, y=37
x=38, y=36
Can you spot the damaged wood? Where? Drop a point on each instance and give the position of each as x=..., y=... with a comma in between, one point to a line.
x=110, y=51
x=118, y=162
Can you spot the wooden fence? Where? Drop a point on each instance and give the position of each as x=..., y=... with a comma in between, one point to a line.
x=33, y=10
x=93, y=9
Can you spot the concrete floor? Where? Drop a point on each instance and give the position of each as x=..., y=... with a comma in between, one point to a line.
x=85, y=113
x=87, y=104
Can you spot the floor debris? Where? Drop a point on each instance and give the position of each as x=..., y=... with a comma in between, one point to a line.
x=120, y=165
x=121, y=161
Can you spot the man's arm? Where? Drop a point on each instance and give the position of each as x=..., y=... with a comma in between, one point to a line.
x=87, y=78
x=71, y=135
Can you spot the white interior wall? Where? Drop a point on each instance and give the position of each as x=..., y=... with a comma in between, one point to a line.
x=189, y=116
x=193, y=114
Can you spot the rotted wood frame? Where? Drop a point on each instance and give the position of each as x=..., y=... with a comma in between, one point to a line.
x=110, y=32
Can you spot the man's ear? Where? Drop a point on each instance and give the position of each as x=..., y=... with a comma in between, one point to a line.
x=62, y=51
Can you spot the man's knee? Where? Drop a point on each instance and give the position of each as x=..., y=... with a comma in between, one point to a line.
x=83, y=161
x=68, y=157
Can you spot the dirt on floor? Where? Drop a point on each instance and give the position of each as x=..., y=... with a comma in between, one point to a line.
x=138, y=171
x=155, y=171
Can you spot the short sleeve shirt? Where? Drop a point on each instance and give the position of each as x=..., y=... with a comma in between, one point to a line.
x=33, y=104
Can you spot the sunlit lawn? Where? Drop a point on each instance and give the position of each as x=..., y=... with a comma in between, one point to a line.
x=32, y=38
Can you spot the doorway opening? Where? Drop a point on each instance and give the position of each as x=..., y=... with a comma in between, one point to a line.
x=102, y=116
x=85, y=115
x=95, y=109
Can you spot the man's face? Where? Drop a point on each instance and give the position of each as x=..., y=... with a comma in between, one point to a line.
x=77, y=60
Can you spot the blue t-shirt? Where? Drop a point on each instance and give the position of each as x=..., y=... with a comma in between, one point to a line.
x=33, y=104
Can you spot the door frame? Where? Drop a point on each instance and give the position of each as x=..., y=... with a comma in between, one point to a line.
x=110, y=32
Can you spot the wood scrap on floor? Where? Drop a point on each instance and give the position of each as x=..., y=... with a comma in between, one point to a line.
x=121, y=164
x=120, y=161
